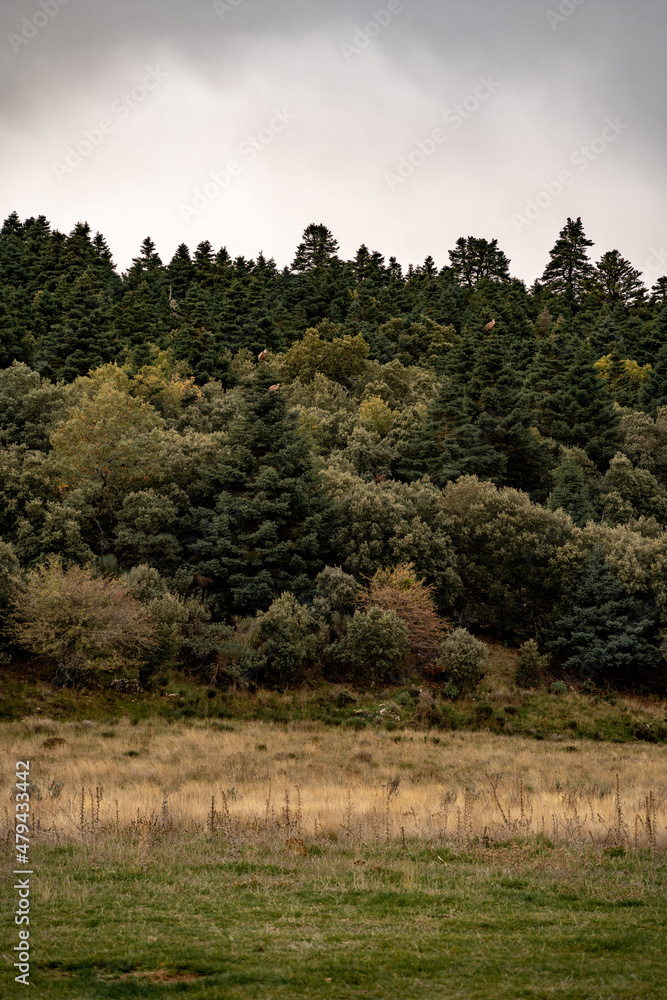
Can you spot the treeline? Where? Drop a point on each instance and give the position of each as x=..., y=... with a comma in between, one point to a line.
x=270, y=475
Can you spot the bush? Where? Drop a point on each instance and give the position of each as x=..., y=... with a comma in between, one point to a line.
x=337, y=594
x=79, y=620
x=532, y=666
x=449, y=690
x=288, y=638
x=400, y=590
x=558, y=687
x=483, y=711
x=463, y=660
x=183, y=627
x=376, y=646
x=427, y=712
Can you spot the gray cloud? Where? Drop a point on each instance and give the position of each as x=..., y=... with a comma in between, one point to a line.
x=364, y=91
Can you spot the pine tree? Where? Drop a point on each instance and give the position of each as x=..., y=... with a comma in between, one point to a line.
x=617, y=281
x=83, y=338
x=193, y=340
x=474, y=258
x=654, y=391
x=571, y=493
x=545, y=382
x=428, y=268
x=569, y=268
x=619, y=381
x=260, y=525
x=606, y=334
x=566, y=400
x=659, y=292
x=40, y=266
x=604, y=632
x=15, y=321
x=475, y=425
x=147, y=266
x=180, y=272
x=316, y=250
x=585, y=416
x=12, y=251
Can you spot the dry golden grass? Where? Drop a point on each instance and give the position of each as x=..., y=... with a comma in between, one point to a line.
x=306, y=781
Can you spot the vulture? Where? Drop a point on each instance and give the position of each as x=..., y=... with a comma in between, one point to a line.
x=263, y=355
x=490, y=326
x=274, y=388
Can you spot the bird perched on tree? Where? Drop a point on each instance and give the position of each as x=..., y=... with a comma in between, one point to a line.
x=490, y=326
x=263, y=355
x=274, y=388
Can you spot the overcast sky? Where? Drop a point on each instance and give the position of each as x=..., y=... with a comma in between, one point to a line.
x=402, y=125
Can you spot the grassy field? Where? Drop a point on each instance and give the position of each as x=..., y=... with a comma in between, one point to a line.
x=498, y=706
x=306, y=779
x=197, y=918
x=299, y=860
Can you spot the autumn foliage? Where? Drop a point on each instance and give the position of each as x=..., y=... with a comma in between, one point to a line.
x=80, y=620
x=400, y=590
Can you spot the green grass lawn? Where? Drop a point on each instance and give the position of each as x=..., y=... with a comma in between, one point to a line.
x=124, y=918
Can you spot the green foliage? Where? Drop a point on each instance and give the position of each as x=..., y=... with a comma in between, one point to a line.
x=385, y=523
x=147, y=529
x=558, y=687
x=77, y=620
x=450, y=690
x=29, y=406
x=505, y=548
x=317, y=249
x=181, y=625
x=629, y=493
x=423, y=343
x=532, y=665
x=565, y=398
x=399, y=589
x=137, y=428
x=644, y=440
x=260, y=522
x=342, y=360
x=617, y=281
x=571, y=492
x=10, y=575
x=327, y=412
x=376, y=646
x=463, y=660
x=603, y=631
x=336, y=594
x=288, y=640
x=474, y=259
x=569, y=268
x=653, y=394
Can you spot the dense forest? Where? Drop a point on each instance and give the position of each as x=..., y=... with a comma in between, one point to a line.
x=336, y=469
